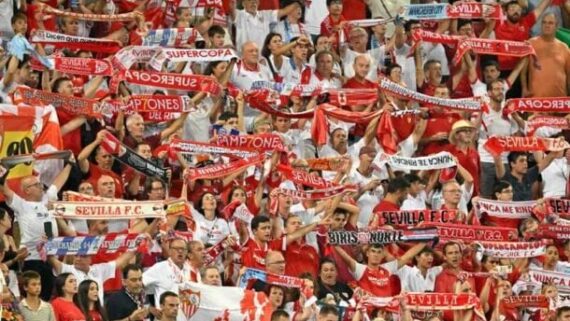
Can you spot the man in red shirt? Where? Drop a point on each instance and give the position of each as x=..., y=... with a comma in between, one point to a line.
x=301, y=256
x=440, y=122
x=461, y=139
x=429, y=77
x=514, y=28
x=375, y=277
x=446, y=280
x=361, y=69
x=397, y=193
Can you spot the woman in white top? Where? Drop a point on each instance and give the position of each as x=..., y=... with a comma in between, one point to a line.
x=213, y=228
x=292, y=27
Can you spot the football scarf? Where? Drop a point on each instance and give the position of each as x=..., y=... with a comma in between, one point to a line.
x=473, y=233
x=498, y=144
x=382, y=236
x=114, y=210
x=92, y=245
x=514, y=249
x=510, y=210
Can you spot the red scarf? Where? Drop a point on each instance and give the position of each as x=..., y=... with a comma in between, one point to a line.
x=498, y=144
x=472, y=233
x=544, y=105
x=221, y=170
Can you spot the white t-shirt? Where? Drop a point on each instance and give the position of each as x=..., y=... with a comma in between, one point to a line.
x=31, y=217
x=291, y=73
x=211, y=232
x=494, y=125
x=289, y=31
x=408, y=66
x=413, y=280
x=415, y=203
x=315, y=12
x=197, y=124
x=166, y=276
x=254, y=27
x=97, y=272
x=368, y=200
x=555, y=176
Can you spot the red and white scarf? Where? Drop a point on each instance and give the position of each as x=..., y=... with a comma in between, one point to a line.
x=395, y=89
x=550, y=277
x=514, y=250
x=493, y=47
x=71, y=104
x=101, y=210
x=59, y=40
x=541, y=105
x=320, y=126
x=437, y=161
x=129, y=16
x=498, y=144
x=381, y=236
x=92, y=245
x=83, y=66
x=221, y=170
x=413, y=218
x=545, y=121
x=314, y=195
x=365, y=23
x=328, y=164
x=511, y=210
x=126, y=57
x=557, y=232
x=525, y=301
x=261, y=142
x=191, y=55
x=173, y=81
x=472, y=233
x=304, y=178
x=196, y=148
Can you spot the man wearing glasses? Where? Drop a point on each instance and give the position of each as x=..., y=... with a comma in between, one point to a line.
x=31, y=212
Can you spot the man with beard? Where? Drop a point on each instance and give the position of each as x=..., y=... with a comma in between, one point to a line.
x=496, y=125
x=514, y=28
x=396, y=194
x=128, y=304
x=553, y=77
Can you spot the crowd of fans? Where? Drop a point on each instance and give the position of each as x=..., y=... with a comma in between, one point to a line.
x=315, y=44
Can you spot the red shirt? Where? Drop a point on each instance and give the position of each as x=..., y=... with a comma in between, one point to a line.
x=253, y=256
x=327, y=26
x=438, y=123
x=153, y=141
x=301, y=258
x=359, y=129
x=71, y=140
x=505, y=30
x=445, y=283
x=96, y=172
x=327, y=250
x=33, y=15
x=404, y=126
x=427, y=89
x=463, y=89
x=377, y=281
x=470, y=161
x=66, y=310
x=354, y=9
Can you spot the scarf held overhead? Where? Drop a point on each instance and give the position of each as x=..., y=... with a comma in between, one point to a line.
x=91, y=245
x=510, y=210
x=100, y=210
x=473, y=233
x=460, y=10
x=59, y=40
x=71, y=104
x=493, y=47
x=191, y=55
x=382, y=236
x=221, y=170
x=260, y=142
x=438, y=161
x=514, y=249
x=173, y=81
x=196, y=148
x=539, y=105
x=412, y=218
x=498, y=144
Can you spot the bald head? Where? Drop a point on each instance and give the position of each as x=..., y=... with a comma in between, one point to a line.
x=275, y=262
x=250, y=52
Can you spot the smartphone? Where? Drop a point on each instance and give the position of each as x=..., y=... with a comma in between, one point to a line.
x=48, y=229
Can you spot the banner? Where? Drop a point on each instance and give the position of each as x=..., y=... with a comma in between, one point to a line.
x=201, y=302
x=130, y=158
x=461, y=10
x=510, y=210
x=404, y=93
x=59, y=40
x=221, y=170
x=473, y=233
x=174, y=37
x=83, y=66
x=498, y=144
x=558, y=206
x=539, y=105
x=261, y=142
x=546, y=121
x=514, y=250
x=196, y=148
x=493, y=47
x=71, y=104
x=550, y=277
x=557, y=232
x=382, y=236
x=173, y=81
x=415, y=217
x=191, y=55
x=92, y=245
x=100, y=210
x=269, y=278
x=440, y=160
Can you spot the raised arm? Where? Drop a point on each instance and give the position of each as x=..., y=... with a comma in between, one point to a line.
x=410, y=254
x=348, y=260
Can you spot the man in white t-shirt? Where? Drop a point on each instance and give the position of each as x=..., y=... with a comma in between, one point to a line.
x=34, y=219
x=421, y=276
x=358, y=39
x=84, y=270
x=171, y=274
x=254, y=25
x=416, y=194
x=370, y=191
x=493, y=123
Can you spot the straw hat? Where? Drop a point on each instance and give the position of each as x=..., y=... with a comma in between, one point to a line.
x=457, y=126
